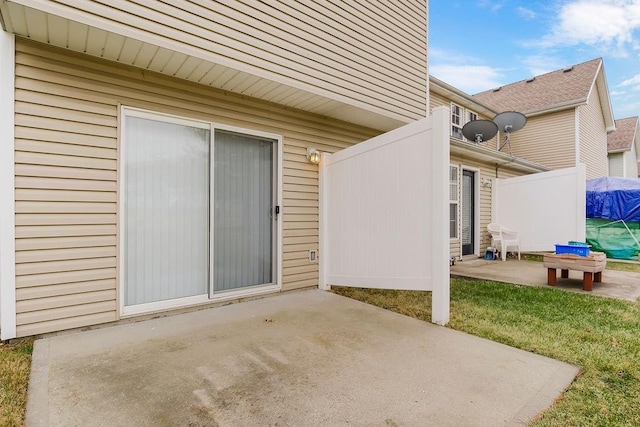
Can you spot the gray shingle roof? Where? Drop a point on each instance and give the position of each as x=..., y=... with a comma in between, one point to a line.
x=547, y=91
x=622, y=138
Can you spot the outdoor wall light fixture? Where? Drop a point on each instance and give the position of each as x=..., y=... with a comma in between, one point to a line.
x=313, y=155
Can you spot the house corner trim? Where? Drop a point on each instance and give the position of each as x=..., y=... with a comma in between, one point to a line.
x=7, y=188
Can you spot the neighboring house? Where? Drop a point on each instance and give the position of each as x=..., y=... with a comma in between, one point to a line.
x=152, y=154
x=473, y=168
x=623, y=146
x=569, y=116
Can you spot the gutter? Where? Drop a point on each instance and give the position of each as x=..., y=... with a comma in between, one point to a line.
x=500, y=159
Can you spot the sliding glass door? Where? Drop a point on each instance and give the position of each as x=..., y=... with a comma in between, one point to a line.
x=198, y=211
x=243, y=211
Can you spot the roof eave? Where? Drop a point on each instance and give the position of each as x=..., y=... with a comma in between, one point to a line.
x=477, y=152
x=555, y=108
x=456, y=95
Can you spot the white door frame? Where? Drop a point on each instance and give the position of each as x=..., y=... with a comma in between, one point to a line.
x=210, y=296
x=476, y=207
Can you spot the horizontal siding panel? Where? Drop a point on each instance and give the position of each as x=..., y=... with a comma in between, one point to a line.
x=297, y=210
x=299, y=180
x=66, y=323
x=65, y=230
x=293, y=202
x=299, y=254
x=36, y=292
x=301, y=276
x=47, y=195
x=59, y=124
x=301, y=247
x=64, y=277
x=300, y=284
x=300, y=239
x=302, y=269
x=302, y=173
x=300, y=218
x=300, y=232
x=297, y=195
x=25, y=170
x=300, y=188
x=78, y=103
x=40, y=243
x=25, y=269
x=61, y=301
x=292, y=225
x=65, y=219
x=65, y=115
x=64, y=137
x=29, y=207
x=64, y=149
x=295, y=262
x=65, y=254
x=64, y=183
x=65, y=161
x=65, y=312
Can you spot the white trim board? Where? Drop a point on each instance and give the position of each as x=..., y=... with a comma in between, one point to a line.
x=7, y=188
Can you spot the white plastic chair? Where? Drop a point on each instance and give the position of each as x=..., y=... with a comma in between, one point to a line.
x=507, y=239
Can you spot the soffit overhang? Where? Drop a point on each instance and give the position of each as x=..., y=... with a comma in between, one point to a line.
x=50, y=23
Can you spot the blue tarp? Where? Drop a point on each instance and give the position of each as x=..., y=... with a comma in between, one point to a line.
x=613, y=198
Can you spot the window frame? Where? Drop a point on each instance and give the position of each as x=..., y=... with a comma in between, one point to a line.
x=454, y=200
x=457, y=120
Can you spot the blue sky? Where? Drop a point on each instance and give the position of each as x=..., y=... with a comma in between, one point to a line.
x=475, y=45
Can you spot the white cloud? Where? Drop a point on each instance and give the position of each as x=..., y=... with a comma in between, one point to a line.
x=468, y=78
x=633, y=81
x=542, y=64
x=492, y=5
x=609, y=24
x=526, y=13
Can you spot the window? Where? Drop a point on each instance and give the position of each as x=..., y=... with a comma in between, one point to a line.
x=471, y=116
x=453, y=202
x=457, y=120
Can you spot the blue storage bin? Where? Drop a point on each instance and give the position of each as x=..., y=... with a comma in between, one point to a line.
x=580, y=250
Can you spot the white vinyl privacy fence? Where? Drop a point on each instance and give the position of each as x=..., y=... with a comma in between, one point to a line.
x=545, y=208
x=384, y=212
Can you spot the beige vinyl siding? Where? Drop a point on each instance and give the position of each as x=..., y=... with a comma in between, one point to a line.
x=631, y=163
x=370, y=53
x=548, y=140
x=593, y=137
x=616, y=164
x=67, y=170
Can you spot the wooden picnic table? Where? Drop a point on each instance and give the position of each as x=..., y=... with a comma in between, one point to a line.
x=591, y=266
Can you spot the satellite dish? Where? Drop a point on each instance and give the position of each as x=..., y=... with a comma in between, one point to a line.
x=510, y=121
x=479, y=130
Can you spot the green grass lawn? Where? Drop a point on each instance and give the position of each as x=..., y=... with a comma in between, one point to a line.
x=600, y=335
x=15, y=365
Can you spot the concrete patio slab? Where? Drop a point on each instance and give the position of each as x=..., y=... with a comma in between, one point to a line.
x=615, y=284
x=303, y=358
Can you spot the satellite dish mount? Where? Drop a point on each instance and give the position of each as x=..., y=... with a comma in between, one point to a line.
x=507, y=122
x=479, y=130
